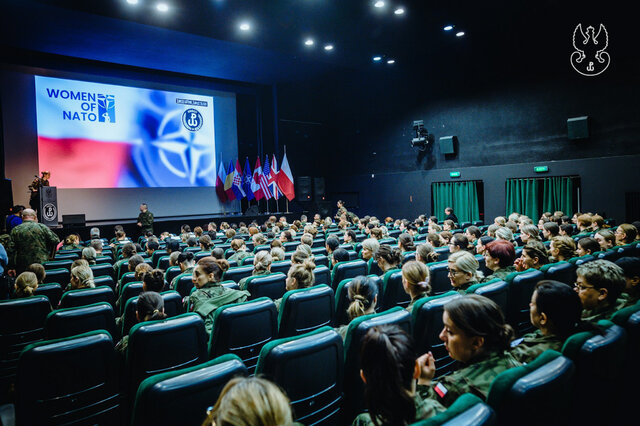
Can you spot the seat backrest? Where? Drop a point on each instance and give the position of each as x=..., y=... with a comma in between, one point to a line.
x=439, y=277
x=163, y=262
x=73, y=321
x=171, y=273
x=321, y=260
x=426, y=318
x=349, y=269
x=373, y=268
x=238, y=273
x=184, y=285
x=315, y=398
x=545, y=382
x=611, y=255
x=21, y=323
x=157, y=255
x=564, y=272
x=105, y=280
x=87, y=296
x=281, y=266
x=72, y=380
x=128, y=277
x=172, y=303
x=305, y=310
x=583, y=259
x=393, y=293
x=175, y=343
x=58, y=264
x=130, y=290
x=443, y=253
x=322, y=275
x=291, y=246
x=243, y=329
x=521, y=286
x=496, y=290
x=53, y=292
x=183, y=396
x=408, y=256
x=358, y=327
x=59, y=275
x=102, y=269
x=467, y=410
x=273, y=286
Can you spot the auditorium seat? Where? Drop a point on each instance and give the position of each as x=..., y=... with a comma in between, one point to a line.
x=521, y=286
x=132, y=289
x=373, y=268
x=281, y=266
x=87, y=296
x=290, y=246
x=127, y=278
x=538, y=393
x=66, y=256
x=426, y=319
x=69, y=381
x=198, y=256
x=247, y=261
x=104, y=259
x=272, y=285
x=408, y=256
x=265, y=247
x=467, y=410
x=105, y=280
x=52, y=291
x=184, y=284
x=157, y=255
x=238, y=273
x=496, y=290
x=163, y=262
x=610, y=255
x=393, y=293
x=68, y=322
x=243, y=329
x=306, y=309
x=348, y=269
x=171, y=273
x=162, y=346
x=564, y=272
x=321, y=260
x=102, y=269
x=353, y=386
x=293, y=363
x=443, y=253
x=319, y=251
x=21, y=323
x=58, y=264
x=482, y=264
x=182, y=397
x=322, y=275
x=439, y=277
x=60, y=275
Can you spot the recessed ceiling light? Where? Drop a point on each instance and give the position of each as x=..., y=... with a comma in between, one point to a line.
x=245, y=26
x=460, y=34
x=309, y=42
x=379, y=3
x=132, y=1
x=328, y=47
x=162, y=7
x=399, y=11
x=377, y=58
x=448, y=28
x=391, y=61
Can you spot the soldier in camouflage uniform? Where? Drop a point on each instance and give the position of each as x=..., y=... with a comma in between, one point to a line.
x=145, y=219
x=341, y=210
x=32, y=242
x=599, y=284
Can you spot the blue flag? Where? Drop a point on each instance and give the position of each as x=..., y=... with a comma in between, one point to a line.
x=246, y=180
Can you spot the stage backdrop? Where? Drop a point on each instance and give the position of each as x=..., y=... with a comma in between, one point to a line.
x=112, y=143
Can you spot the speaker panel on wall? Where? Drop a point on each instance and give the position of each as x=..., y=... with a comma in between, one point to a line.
x=578, y=128
x=6, y=196
x=303, y=193
x=319, y=188
x=448, y=145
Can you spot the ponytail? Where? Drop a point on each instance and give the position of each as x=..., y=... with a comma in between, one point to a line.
x=26, y=284
x=150, y=306
x=362, y=293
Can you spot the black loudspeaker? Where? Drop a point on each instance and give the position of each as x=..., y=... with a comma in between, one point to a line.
x=77, y=220
x=252, y=211
x=448, y=145
x=319, y=189
x=6, y=196
x=303, y=193
x=578, y=128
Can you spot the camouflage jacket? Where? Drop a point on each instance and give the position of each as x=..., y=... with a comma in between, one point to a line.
x=475, y=378
x=500, y=273
x=32, y=243
x=146, y=219
x=239, y=256
x=424, y=410
x=205, y=300
x=603, y=312
x=533, y=344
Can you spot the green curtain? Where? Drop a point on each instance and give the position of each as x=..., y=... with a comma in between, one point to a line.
x=522, y=197
x=558, y=195
x=461, y=196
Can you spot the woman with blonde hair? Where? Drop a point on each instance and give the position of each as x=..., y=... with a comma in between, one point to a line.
x=463, y=271
x=81, y=277
x=562, y=248
x=529, y=232
x=248, y=401
x=261, y=266
x=363, y=297
x=425, y=253
x=26, y=284
x=300, y=275
x=415, y=281
x=277, y=253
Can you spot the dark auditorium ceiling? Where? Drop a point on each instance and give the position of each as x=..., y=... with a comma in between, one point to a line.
x=357, y=29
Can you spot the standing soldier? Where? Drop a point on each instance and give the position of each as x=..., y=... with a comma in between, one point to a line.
x=145, y=219
x=341, y=209
x=33, y=242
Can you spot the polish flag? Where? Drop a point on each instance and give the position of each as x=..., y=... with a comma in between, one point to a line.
x=285, y=179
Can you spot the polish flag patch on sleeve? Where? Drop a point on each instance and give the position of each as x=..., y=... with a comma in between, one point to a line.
x=441, y=390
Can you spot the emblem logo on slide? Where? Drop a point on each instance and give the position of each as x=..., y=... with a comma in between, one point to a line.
x=590, y=57
x=106, y=108
x=49, y=212
x=192, y=120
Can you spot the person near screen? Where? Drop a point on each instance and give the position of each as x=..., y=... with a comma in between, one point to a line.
x=36, y=184
x=145, y=219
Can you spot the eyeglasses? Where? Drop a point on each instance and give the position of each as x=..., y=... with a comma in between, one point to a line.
x=452, y=272
x=581, y=287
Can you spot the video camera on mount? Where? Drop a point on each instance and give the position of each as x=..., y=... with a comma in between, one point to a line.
x=422, y=136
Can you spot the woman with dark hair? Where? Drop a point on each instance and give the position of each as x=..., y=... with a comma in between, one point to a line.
x=388, y=258
x=150, y=307
x=350, y=238
x=405, y=243
x=153, y=280
x=209, y=294
x=187, y=263
x=533, y=256
x=586, y=246
x=434, y=239
x=625, y=234
x=458, y=242
x=499, y=256
x=363, y=297
x=482, y=243
x=426, y=254
x=555, y=311
x=205, y=243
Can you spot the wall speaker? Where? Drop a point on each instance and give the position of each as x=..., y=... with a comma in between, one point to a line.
x=448, y=145
x=303, y=193
x=578, y=128
x=319, y=188
x=6, y=196
x=73, y=220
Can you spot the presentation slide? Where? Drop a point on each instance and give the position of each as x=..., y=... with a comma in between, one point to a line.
x=94, y=135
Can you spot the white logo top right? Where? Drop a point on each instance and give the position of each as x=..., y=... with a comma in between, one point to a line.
x=590, y=57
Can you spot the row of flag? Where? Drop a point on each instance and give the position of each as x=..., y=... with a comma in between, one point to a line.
x=263, y=182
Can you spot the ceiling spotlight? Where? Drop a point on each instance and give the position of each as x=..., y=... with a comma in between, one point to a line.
x=377, y=58
x=328, y=47
x=391, y=61
x=132, y=1
x=399, y=11
x=379, y=3
x=244, y=26
x=448, y=28
x=460, y=34
x=162, y=7
x=308, y=42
